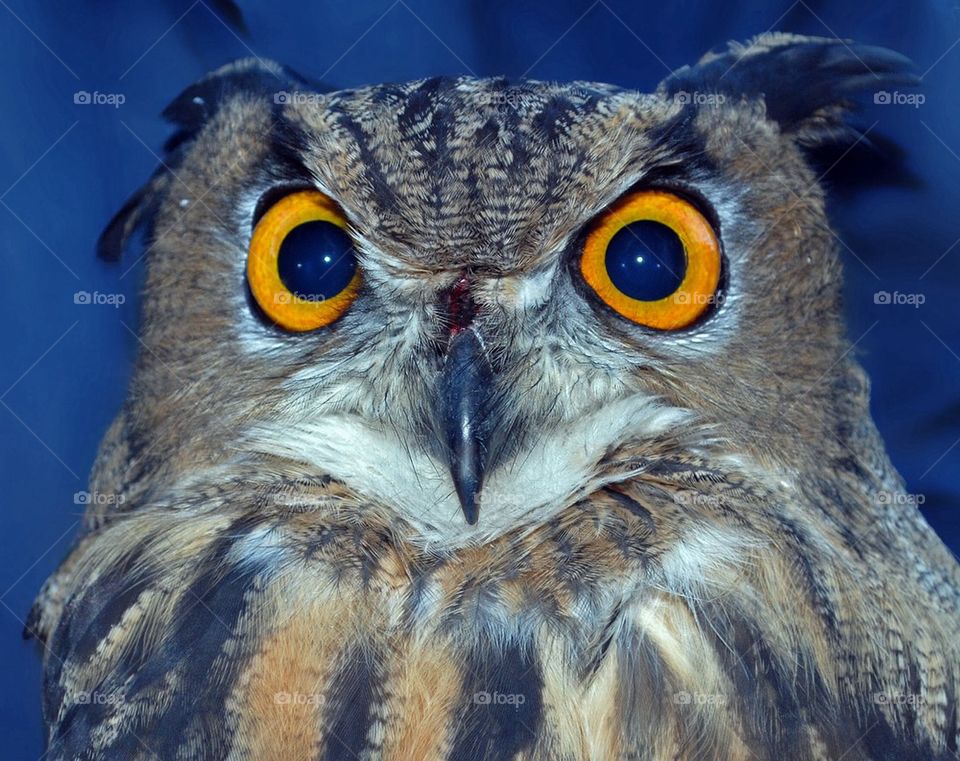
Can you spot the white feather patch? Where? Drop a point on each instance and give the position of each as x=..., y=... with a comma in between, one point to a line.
x=551, y=474
x=709, y=562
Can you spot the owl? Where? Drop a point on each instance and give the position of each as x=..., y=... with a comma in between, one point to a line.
x=491, y=419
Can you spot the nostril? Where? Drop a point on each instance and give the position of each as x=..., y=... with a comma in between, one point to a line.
x=461, y=308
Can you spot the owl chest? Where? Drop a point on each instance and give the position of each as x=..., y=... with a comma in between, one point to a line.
x=262, y=642
x=465, y=660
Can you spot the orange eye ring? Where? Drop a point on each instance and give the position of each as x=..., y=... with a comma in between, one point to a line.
x=696, y=287
x=293, y=310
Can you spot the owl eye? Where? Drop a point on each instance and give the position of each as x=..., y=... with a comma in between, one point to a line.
x=654, y=259
x=302, y=266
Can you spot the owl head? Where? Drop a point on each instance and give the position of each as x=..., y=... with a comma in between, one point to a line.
x=473, y=302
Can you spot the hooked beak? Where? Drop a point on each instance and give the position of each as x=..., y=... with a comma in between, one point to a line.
x=462, y=399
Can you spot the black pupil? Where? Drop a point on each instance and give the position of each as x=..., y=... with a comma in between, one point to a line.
x=316, y=260
x=646, y=260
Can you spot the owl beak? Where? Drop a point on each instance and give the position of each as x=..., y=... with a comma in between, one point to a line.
x=462, y=395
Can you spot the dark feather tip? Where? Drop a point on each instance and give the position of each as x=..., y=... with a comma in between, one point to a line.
x=805, y=82
x=113, y=239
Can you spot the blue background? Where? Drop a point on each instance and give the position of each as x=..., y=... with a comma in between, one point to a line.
x=66, y=167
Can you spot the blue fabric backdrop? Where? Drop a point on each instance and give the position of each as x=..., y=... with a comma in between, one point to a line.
x=66, y=166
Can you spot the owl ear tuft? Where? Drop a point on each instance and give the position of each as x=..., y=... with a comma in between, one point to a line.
x=196, y=105
x=807, y=83
x=189, y=112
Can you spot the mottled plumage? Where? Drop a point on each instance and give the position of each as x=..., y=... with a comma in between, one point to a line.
x=691, y=544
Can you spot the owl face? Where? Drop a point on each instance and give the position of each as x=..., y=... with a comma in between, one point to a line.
x=485, y=369
x=466, y=387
